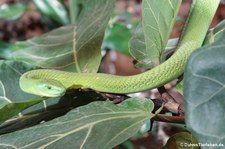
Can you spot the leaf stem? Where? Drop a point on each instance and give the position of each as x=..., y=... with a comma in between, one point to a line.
x=165, y=95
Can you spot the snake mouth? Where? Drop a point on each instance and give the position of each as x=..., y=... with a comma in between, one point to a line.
x=59, y=93
x=53, y=94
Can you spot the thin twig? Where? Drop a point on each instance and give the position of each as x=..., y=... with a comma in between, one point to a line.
x=165, y=95
x=169, y=119
x=170, y=103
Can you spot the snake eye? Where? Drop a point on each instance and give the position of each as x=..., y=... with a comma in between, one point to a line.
x=49, y=87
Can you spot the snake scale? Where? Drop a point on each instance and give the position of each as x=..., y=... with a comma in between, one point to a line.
x=53, y=83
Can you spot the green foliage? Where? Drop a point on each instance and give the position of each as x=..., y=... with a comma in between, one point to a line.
x=75, y=47
x=204, y=92
x=5, y=50
x=12, y=12
x=10, y=73
x=157, y=26
x=118, y=33
x=85, y=126
x=180, y=87
x=213, y=35
x=117, y=37
x=150, y=39
x=12, y=109
x=138, y=49
x=12, y=99
x=52, y=10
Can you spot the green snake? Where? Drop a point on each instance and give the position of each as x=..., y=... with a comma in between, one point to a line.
x=53, y=83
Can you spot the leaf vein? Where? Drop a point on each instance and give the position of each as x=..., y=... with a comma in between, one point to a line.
x=86, y=138
x=85, y=126
x=124, y=131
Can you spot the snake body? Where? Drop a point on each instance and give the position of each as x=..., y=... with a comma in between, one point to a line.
x=52, y=83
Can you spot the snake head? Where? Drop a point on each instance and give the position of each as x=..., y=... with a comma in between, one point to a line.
x=44, y=87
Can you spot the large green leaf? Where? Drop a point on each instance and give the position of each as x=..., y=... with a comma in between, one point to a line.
x=204, y=93
x=158, y=20
x=33, y=116
x=13, y=108
x=75, y=47
x=137, y=48
x=12, y=99
x=12, y=12
x=10, y=72
x=100, y=125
